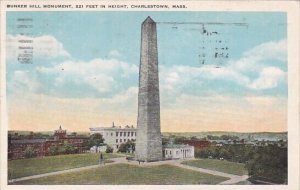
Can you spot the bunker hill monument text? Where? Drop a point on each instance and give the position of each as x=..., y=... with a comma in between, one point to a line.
x=148, y=142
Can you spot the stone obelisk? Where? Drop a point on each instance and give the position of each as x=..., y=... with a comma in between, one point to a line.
x=148, y=141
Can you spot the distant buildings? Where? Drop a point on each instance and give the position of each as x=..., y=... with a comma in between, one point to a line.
x=114, y=136
x=262, y=142
x=198, y=144
x=41, y=146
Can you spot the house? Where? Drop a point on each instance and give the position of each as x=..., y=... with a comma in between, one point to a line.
x=41, y=146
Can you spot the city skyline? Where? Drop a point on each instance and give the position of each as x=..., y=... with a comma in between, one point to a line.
x=88, y=76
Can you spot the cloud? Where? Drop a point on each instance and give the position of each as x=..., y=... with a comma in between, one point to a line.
x=252, y=71
x=123, y=102
x=170, y=79
x=55, y=76
x=102, y=75
x=180, y=75
x=23, y=81
x=45, y=46
x=268, y=78
x=115, y=53
x=102, y=83
x=270, y=50
x=253, y=59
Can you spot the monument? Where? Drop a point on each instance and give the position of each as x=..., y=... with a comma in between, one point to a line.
x=148, y=140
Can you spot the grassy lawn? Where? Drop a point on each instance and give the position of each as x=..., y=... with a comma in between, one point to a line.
x=246, y=182
x=124, y=174
x=33, y=166
x=219, y=165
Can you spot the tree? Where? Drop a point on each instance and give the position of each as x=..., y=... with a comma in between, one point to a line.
x=211, y=137
x=95, y=140
x=69, y=148
x=165, y=140
x=179, y=140
x=53, y=150
x=29, y=152
x=73, y=134
x=65, y=148
x=127, y=147
x=61, y=149
x=268, y=164
x=109, y=149
x=229, y=137
x=224, y=154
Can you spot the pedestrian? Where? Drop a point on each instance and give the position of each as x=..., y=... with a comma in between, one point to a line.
x=101, y=158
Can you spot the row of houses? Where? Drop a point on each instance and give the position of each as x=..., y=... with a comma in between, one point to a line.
x=114, y=136
x=41, y=146
x=279, y=143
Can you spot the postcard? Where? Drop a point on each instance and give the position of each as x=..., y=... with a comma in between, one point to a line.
x=150, y=94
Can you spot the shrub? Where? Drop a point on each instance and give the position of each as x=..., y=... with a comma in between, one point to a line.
x=109, y=149
x=29, y=152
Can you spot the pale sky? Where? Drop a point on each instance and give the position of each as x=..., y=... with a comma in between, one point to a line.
x=85, y=71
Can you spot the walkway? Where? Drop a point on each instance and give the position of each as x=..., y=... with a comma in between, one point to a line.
x=233, y=178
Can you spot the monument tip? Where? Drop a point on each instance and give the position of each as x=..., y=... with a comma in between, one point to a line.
x=148, y=20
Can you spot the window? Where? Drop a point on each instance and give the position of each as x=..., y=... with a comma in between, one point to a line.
x=131, y=133
x=120, y=134
x=117, y=146
x=117, y=133
x=128, y=134
x=134, y=133
x=124, y=140
x=111, y=134
x=124, y=134
x=116, y=140
x=120, y=140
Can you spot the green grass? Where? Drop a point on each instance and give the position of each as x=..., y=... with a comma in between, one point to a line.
x=219, y=165
x=33, y=166
x=124, y=174
x=246, y=182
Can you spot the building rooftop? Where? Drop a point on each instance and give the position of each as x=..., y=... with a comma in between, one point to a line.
x=60, y=129
x=28, y=141
x=176, y=146
x=113, y=127
x=110, y=128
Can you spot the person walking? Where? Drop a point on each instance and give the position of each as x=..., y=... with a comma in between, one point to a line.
x=101, y=158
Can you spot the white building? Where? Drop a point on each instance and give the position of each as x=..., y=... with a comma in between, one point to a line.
x=96, y=149
x=178, y=151
x=114, y=136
